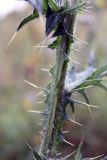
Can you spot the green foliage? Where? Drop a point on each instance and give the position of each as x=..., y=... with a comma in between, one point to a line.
x=45, y=5
x=55, y=44
x=28, y=19
x=53, y=4
x=98, y=72
x=94, y=79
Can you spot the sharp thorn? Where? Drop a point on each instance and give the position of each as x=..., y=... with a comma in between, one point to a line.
x=68, y=156
x=40, y=102
x=11, y=40
x=33, y=111
x=58, y=154
x=35, y=86
x=64, y=132
x=94, y=157
x=38, y=112
x=43, y=69
x=68, y=143
x=31, y=84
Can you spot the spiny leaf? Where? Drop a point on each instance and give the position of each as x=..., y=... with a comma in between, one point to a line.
x=72, y=9
x=53, y=4
x=75, y=80
x=28, y=19
x=89, y=83
x=98, y=72
x=45, y=5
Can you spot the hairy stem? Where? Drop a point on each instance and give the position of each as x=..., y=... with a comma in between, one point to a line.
x=54, y=99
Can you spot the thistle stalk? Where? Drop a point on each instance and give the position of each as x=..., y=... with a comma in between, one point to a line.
x=52, y=123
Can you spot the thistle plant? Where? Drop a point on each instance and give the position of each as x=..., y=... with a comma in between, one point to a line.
x=60, y=23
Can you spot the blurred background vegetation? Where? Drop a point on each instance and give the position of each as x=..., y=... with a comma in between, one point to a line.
x=22, y=61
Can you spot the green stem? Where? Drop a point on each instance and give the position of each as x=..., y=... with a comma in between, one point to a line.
x=49, y=137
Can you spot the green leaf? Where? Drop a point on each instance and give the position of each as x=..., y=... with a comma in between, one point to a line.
x=99, y=71
x=53, y=4
x=28, y=19
x=36, y=155
x=88, y=83
x=44, y=5
x=72, y=9
x=54, y=44
x=94, y=79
